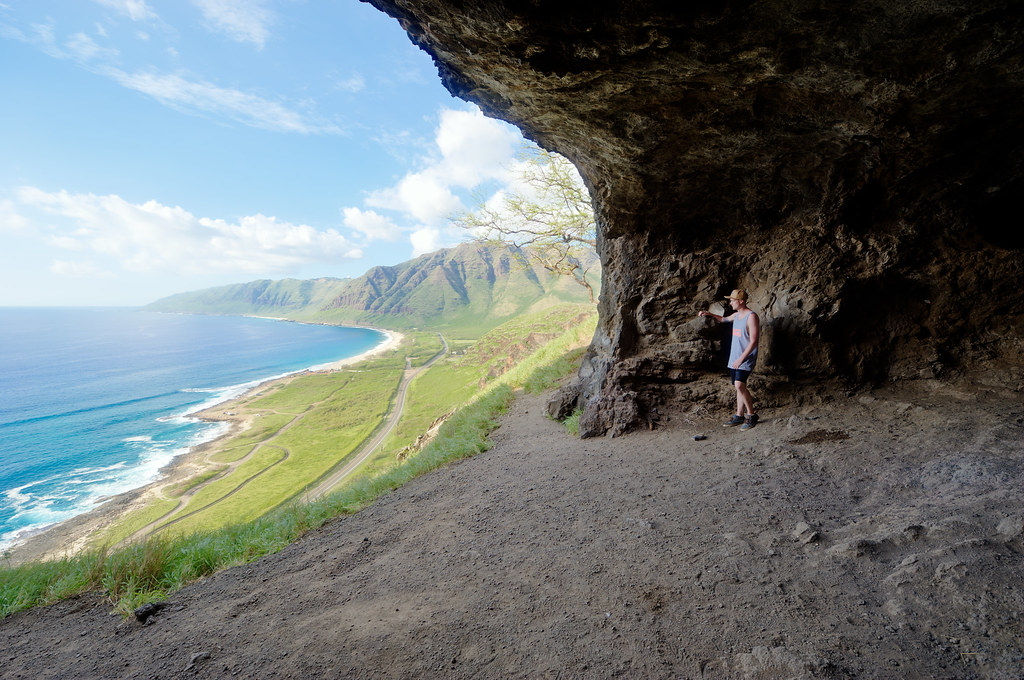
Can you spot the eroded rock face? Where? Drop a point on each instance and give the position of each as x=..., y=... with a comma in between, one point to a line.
x=858, y=169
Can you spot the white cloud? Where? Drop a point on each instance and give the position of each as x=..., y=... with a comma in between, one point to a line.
x=10, y=220
x=469, y=149
x=241, y=20
x=474, y=148
x=155, y=238
x=84, y=48
x=136, y=10
x=425, y=240
x=370, y=224
x=173, y=89
x=354, y=83
x=45, y=38
x=12, y=33
x=42, y=36
x=65, y=242
x=179, y=92
x=424, y=196
x=78, y=269
x=402, y=145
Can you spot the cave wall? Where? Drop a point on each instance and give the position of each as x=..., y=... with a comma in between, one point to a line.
x=856, y=166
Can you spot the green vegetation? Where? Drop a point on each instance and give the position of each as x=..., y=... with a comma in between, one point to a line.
x=465, y=291
x=462, y=374
x=138, y=519
x=425, y=347
x=242, y=444
x=283, y=398
x=553, y=217
x=303, y=427
x=470, y=384
x=195, y=481
x=263, y=298
x=572, y=423
x=208, y=500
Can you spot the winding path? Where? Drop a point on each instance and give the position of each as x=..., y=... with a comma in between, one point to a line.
x=163, y=522
x=333, y=477
x=345, y=468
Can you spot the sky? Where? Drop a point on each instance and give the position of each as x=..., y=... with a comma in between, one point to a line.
x=151, y=147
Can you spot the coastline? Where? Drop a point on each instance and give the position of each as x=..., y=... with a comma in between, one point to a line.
x=66, y=538
x=392, y=339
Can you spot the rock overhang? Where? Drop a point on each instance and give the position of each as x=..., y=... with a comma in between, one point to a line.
x=854, y=165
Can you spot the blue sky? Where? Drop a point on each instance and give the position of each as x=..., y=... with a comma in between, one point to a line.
x=149, y=147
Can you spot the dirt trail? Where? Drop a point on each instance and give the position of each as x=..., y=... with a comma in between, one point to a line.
x=876, y=536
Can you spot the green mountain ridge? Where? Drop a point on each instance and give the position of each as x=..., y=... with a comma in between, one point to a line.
x=256, y=297
x=471, y=284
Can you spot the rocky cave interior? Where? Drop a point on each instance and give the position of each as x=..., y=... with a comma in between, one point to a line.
x=856, y=166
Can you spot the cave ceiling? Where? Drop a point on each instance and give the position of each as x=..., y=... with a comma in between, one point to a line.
x=856, y=166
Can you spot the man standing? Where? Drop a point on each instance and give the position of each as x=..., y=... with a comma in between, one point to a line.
x=746, y=330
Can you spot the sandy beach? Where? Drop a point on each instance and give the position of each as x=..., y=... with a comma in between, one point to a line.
x=73, y=535
x=392, y=340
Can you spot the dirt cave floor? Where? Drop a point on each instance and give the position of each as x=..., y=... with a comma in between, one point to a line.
x=873, y=536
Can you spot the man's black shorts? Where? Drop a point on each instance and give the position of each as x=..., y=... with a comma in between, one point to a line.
x=738, y=375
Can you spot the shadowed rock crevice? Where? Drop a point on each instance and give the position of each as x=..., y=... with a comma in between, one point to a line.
x=856, y=168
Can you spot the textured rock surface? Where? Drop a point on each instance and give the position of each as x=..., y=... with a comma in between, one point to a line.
x=857, y=168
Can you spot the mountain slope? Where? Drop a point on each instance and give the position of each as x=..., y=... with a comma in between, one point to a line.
x=469, y=284
x=267, y=297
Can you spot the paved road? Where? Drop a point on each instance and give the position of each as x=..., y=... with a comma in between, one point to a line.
x=335, y=477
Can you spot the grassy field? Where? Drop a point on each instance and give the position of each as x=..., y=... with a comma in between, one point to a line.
x=246, y=513
x=465, y=372
x=136, y=521
x=301, y=428
x=263, y=428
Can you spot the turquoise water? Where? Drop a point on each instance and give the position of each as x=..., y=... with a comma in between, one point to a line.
x=93, y=402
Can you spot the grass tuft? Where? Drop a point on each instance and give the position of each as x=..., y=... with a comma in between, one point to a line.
x=572, y=423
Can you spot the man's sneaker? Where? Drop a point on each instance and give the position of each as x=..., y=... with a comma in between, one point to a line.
x=751, y=422
x=734, y=421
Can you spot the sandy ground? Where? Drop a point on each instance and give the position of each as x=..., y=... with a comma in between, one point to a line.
x=75, y=534
x=872, y=536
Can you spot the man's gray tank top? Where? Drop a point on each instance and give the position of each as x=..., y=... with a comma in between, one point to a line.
x=740, y=340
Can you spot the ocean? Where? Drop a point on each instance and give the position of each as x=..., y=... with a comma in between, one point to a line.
x=94, y=401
